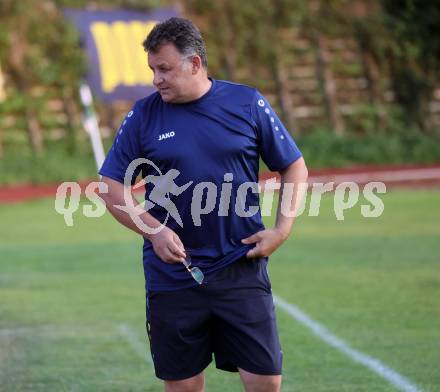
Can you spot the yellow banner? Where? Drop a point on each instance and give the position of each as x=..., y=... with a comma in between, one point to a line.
x=122, y=59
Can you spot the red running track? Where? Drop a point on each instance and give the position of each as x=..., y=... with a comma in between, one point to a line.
x=406, y=176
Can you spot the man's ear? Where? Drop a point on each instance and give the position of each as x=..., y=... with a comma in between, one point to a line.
x=196, y=63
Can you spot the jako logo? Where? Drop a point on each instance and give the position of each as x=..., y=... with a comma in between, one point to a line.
x=166, y=135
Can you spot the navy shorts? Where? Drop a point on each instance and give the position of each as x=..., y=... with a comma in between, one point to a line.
x=231, y=315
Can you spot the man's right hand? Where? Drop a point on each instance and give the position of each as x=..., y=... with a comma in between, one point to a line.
x=167, y=245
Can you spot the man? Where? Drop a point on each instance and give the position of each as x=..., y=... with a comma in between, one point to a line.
x=210, y=134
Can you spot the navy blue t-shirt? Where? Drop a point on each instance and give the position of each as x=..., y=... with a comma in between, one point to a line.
x=206, y=149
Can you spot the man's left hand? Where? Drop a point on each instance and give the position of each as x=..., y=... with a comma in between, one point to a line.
x=267, y=241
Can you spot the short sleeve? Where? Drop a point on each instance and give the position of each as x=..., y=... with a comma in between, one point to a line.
x=126, y=148
x=277, y=147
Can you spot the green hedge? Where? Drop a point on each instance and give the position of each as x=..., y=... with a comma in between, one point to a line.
x=57, y=164
x=322, y=148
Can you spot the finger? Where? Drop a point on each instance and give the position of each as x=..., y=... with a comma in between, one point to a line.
x=179, y=243
x=178, y=253
x=252, y=239
x=169, y=257
x=176, y=250
x=254, y=253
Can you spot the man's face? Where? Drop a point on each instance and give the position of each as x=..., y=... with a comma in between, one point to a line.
x=173, y=76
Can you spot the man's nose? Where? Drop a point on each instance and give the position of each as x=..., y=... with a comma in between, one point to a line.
x=158, y=79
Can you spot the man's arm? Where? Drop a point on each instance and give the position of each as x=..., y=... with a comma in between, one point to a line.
x=267, y=241
x=166, y=242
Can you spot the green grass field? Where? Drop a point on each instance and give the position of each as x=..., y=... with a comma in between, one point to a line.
x=72, y=300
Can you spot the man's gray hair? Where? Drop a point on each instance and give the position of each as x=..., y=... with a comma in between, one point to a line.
x=182, y=33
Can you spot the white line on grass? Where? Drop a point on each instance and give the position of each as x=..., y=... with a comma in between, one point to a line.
x=397, y=380
x=55, y=331
x=52, y=331
x=137, y=344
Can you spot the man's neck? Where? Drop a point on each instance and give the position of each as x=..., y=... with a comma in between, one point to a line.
x=201, y=88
